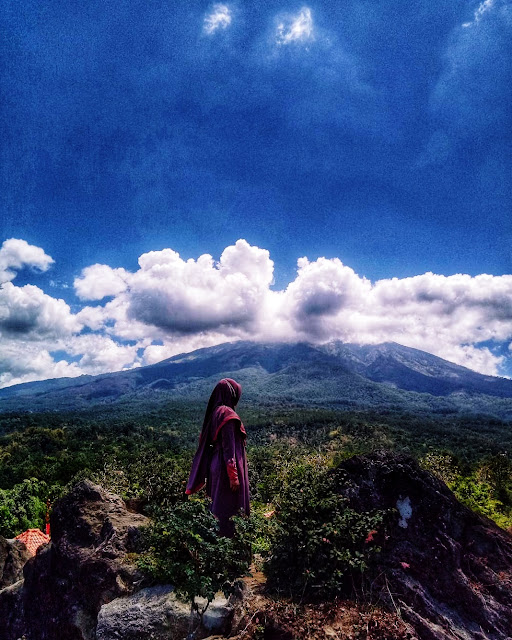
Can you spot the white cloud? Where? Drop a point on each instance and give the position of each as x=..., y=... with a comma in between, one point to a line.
x=16, y=254
x=172, y=305
x=30, y=313
x=93, y=317
x=101, y=353
x=295, y=27
x=157, y=352
x=186, y=304
x=480, y=11
x=22, y=361
x=99, y=281
x=219, y=18
x=28, y=361
x=186, y=297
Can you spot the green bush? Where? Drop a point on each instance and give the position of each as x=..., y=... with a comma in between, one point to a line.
x=479, y=496
x=318, y=542
x=183, y=548
x=24, y=506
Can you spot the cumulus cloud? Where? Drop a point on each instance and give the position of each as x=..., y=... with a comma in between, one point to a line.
x=16, y=254
x=28, y=361
x=100, y=353
x=322, y=290
x=23, y=361
x=445, y=315
x=172, y=305
x=99, y=281
x=157, y=352
x=30, y=313
x=40, y=337
x=190, y=296
x=186, y=304
x=219, y=18
x=295, y=27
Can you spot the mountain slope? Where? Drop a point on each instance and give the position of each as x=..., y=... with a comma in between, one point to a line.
x=416, y=370
x=334, y=374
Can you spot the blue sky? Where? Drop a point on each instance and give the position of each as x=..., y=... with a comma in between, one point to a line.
x=374, y=135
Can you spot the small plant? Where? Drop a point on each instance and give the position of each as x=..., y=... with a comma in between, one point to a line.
x=319, y=543
x=443, y=465
x=183, y=548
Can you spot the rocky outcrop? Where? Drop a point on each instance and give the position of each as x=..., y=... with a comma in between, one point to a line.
x=155, y=613
x=447, y=570
x=13, y=556
x=84, y=585
x=84, y=567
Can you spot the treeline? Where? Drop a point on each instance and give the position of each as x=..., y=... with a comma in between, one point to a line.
x=146, y=458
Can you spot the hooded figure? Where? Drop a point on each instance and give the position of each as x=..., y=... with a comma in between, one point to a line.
x=220, y=461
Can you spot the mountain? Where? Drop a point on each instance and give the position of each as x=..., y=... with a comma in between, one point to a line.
x=334, y=374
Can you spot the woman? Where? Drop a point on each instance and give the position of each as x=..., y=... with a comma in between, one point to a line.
x=220, y=461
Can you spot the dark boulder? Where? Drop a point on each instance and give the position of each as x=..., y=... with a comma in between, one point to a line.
x=13, y=555
x=447, y=570
x=85, y=566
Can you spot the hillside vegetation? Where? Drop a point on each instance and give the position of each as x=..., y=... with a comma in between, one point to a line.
x=146, y=458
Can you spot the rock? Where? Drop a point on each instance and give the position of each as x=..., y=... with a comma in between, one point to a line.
x=447, y=569
x=13, y=556
x=11, y=611
x=218, y=616
x=86, y=565
x=84, y=584
x=154, y=613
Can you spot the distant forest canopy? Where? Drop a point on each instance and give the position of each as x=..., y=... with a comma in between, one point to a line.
x=145, y=456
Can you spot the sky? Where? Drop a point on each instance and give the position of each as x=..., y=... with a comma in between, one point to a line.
x=175, y=175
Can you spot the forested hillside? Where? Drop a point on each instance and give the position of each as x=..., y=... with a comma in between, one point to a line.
x=335, y=375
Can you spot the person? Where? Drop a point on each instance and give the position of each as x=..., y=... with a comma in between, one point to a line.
x=220, y=461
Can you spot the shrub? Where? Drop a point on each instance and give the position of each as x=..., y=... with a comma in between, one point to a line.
x=319, y=543
x=24, y=506
x=479, y=496
x=183, y=548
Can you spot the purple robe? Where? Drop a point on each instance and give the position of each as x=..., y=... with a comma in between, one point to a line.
x=220, y=461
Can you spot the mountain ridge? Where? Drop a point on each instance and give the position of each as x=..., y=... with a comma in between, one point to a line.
x=335, y=373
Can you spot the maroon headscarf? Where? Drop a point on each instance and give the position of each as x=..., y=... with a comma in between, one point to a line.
x=220, y=409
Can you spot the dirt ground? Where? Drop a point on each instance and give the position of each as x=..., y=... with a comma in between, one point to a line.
x=263, y=617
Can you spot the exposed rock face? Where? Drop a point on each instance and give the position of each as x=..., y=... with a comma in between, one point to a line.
x=448, y=570
x=13, y=555
x=155, y=613
x=83, y=567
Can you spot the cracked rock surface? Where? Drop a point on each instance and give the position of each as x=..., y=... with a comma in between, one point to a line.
x=446, y=569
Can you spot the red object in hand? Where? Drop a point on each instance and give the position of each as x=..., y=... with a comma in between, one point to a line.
x=369, y=537
x=234, y=483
